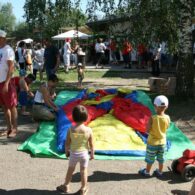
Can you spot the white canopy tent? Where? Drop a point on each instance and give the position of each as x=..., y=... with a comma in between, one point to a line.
x=27, y=40
x=71, y=34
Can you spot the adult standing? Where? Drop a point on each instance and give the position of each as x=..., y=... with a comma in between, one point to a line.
x=75, y=53
x=67, y=54
x=100, y=52
x=127, y=48
x=8, y=95
x=156, y=60
x=113, y=51
x=21, y=55
x=38, y=61
x=51, y=58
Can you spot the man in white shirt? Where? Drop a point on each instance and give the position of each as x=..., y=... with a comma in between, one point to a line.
x=67, y=53
x=100, y=50
x=8, y=95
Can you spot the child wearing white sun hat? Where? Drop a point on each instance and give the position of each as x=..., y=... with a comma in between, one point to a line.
x=157, y=127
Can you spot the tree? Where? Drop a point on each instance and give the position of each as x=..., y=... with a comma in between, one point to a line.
x=7, y=18
x=21, y=30
x=185, y=68
x=49, y=16
x=35, y=13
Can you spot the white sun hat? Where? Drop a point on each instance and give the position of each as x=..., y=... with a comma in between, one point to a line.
x=3, y=33
x=161, y=100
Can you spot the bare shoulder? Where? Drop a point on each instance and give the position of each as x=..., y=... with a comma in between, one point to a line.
x=87, y=130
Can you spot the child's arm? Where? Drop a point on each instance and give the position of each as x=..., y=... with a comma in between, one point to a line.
x=67, y=145
x=91, y=145
x=149, y=125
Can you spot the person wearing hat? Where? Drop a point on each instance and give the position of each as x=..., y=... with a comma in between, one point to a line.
x=8, y=95
x=157, y=127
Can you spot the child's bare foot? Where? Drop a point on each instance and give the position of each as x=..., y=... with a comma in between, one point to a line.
x=12, y=133
x=4, y=132
x=63, y=188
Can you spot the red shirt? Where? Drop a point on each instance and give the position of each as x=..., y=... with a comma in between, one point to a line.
x=141, y=49
x=113, y=46
x=126, y=48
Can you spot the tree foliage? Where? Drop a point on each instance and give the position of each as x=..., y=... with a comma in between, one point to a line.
x=7, y=18
x=49, y=16
x=148, y=19
x=21, y=30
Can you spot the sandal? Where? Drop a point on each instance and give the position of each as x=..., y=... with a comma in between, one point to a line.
x=144, y=173
x=157, y=173
x=63, y=188
x=83, y=191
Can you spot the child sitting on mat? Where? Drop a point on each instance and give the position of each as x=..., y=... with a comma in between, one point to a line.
x=157, y=127
x=79, y=138
x=24, y=90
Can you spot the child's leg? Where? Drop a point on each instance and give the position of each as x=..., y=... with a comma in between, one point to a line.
x=161, y=167
x=160, y=157
x=83, y=170
x=23, y=100
x=69, y=175
x=65, y=187
x=150, y=157
x=148, y=167
x=84, y=176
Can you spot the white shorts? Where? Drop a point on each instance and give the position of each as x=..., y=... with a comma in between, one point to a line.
x=81, y=157
x=67, y=60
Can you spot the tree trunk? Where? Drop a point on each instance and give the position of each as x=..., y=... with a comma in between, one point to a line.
x=185, y=68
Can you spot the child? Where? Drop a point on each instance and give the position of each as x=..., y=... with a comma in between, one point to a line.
x=80, y=71
x=157, y=127
x=24, y=90
x=79, y=137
